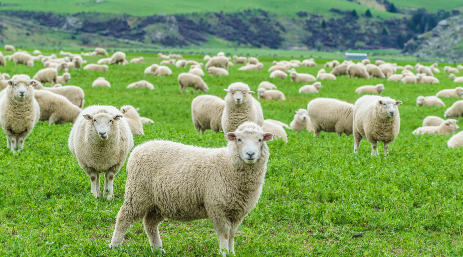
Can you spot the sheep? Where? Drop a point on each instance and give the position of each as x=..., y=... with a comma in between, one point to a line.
x=321, y=75
x=2, y=60
x=76, y=63
x=19, y=111
x=301, y=77
x=74, y=94
x=180, y=64
x=248, y=66
x=408, y=67
x=378, y=89
x=141, y=84
x=456, y=140
x=429, y=101
x=214, y=71
x=270, y=94
x=240, y=107
x=375, y=71
x=447, y=127
x=58, y=66
x=228, y=184
x=3, y=82
x=366, y=61
x=118, y=58
x=311, y=88
x=387, y=69
x=221, y=54
x=377, y=119
x=219, y=62
x=253, y=60
x=330, y=115
x=101, y=51
x=309, y=63
x=422, y=79
x=266, y=85
x=408, y=79
x=191, y=62
x=100, y=140
x=396, y=77
x=176, y=56
x=162, y=56
x=407, y=73
x=137, y=60
x=56, y=109
x=104, y=61
x=457, y=92
x=168, y=62
x=277, y=130
x=333, y=64
x=206, y=112
x=47, y=75
x=456, y=110
x=146, y=120
x=64, y=79
x=432, y=121
x=9, y=48
x=160, y=70
x=279, y=123
x=101, y=82
x=22, y=58
x=358, y=71
x=379, y=62
x=460, y=67
x=278, y=74
x=424, y=70
x=283, y=68
x=6, y=76
x=196, y=70
x=448, y=69
x=240, y=59
x=133, y=119
x=206, y=57
x=456, y=79
x=301, y=120
x=339, y=70
x=186, y=80
x=96, y=67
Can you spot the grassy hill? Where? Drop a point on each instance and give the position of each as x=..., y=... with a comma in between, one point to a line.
x=430, y=5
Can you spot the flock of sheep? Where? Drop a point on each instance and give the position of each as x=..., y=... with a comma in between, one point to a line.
x=225, y=185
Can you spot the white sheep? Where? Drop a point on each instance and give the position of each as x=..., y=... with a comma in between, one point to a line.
x=374, y=71
x=457, y=92
x=214, y=71
x=206, y=112
x=274, y=128
x=133, y=119
x=248, y=66
x=429, y=101
x=379, y=62
x=196, y=70
x=279, y=123
x=448, y=69
x=253, y=60
x=240, y=59
x=408, y=79
x=460, y=67
x=378, y=89
x=456, y=140
x=456, y=110
x=74, y=94
x=19, y=111
x=47, y=75
x=9, y=48
x=447, y=127
x=22, y=58
x=396, y=77
x=266, y=85
x=309, y=63
x=137, y=60
x=301, y=77
x=63, y=79
x=101, y=51
x=456, y=79
x=2, y=60
x=340, y=70
x=168, y=62
x=321, y=75
x=141, y=84
x=101, y=82
x=104, y=61
x=270, y=94
x=301, y=120
x=366, y=61
x=330, y=115
x=387, y=69
x=283, y=68
x=432, y=121
x=3, y=82
x=228, y=184
x=207, y=57
x=314, y=88
x=377, y=119
x=357, y=71
x=97, y=67
x=278, y=74
x=160, y=70
x=180, y=64
x=425, y=71
x=408, y=67
x=100, y=140
x=118, y=58
x=219, y=62
x=423, y=79
x=240, y=107
x=186, y=80
x=145, y=120
x=55, y=109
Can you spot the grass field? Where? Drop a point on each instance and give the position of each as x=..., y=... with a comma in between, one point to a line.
x=429, y=4
x=317, y=193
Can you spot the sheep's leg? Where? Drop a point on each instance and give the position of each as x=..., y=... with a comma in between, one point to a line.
x=108, y=184
x=316, y=132
x=374, y=148
x=21, y=143
x=13, y=144
x=386, y=147
x=53, y=119
x=151, y=223
x=223, y=231
x=181, y=89
x=125, y=219
x=8, y=142
x=95, y=180
x=357, y=139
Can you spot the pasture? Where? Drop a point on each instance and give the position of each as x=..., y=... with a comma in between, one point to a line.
x=319, y=198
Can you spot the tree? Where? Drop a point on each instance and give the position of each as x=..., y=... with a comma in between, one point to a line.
x=392, y=8
x=400, y=41
x=323, y=24
x=384, y=32
x=368, y=14
x=354, y=14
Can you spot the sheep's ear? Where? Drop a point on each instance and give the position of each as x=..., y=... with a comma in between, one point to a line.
x=398, y=102
x=268, y=136
x=447, y=122
x=226, y=90
x=123, y=110
x=231, y=136
x=296, y=112
x=33, y=82
x=251, y=92
x=10, y=82
x=117, y=117
x=380, y=101
x=137, y=109
x=88, y=117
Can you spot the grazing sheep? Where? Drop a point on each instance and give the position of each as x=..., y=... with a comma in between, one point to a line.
x=378, y=89
x=9, y=48
x=2, y=60
x=277, y=130
x=432, y=121
x=396, y=77
x=456, y=79
x=64, y=79
x=47, y=75
x=424, y=70
x=366, y=61
x=206, y=112
x=214, y=71
x=379, y=62
x=227, y=186
x=266, y=85
x=301, y=77
x=457, y=92
x=36, y=52
x=58, y=66
x=55, y=109
x=100, y=140
x=407, y=72
x=101, y=82
x=137, y=60
x=357, y=71
x=19, y=111
x=207, y=57
x=330, y=115
x=301, y=120
x=387, y=69
x=96, y=67
x=248, y=66
x=186, y=80
x=101, y=51
x=240, y=107
x=196, y=70
x=176, y=56
x=240, y=59
x=253, y=60
x=408, y=67
x=219, y=62
x=191, y=62
x=162, y=56
x=6, y=76
x=146, y=120
x=375, y=72
x=422, y=79
x=429, y=101
x=460, y=67
x=377, y=119
x=74, y=94
x=456, y=110
x=278, y=74
x=311, y=88
x=321, y=75
x=270, y=94
x=448, y=69
x=118, y=58
x=141, y=84
x=340, y=70
x=22, y=58
x=447, y=127
x=104, y=61
x=133, y=119
x=333, y=64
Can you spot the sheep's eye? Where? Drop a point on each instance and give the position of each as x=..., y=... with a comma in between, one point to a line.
x=239, y=140
x=94, y=120
x=260, y=140
x=112, y=121
x=233, y=93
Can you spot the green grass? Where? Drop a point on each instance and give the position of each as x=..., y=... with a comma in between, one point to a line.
x=430, y=4
x=317, y=193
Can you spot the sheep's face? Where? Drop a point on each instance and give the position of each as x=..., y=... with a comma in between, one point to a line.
x=451, y=125
x=380, y=88
x=452, y=76
x=318, y=85
x=261, y=92
x=249, y=143
x=459, y=90
x=389, y=107
x=302, y=115
x=102, y=122
x=20, y=89
x=239, y=96
x=419, y=100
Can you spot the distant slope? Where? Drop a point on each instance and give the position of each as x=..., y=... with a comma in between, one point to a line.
x=431, y=5
x=150, y=7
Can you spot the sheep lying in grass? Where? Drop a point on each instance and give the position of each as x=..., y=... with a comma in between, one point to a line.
x=409, y=67
x=253, y=60
x=448, y=69
x=248, y=66
x=377, y=119
x=455, y=111
x=278, y=74
x=321, y=75
x=19, y=111
x=160, y=70
x=56, y=109
x=266, y=85
x=396, y=77
x=162, y=56
x=196, y=70
x=240, y=59
x=137, y=60
x=274, y=128
x=206, y=112
x=270, y=94
x=101, y=51
x=408, y=79
x=168, y=62
x=283, y=68
x=309, y=63
x=457, y=92
x=333, y=64
x=97, y=67
x=214, y=71
x=301, y=77
x=447, y=127
x=180, y=64
x=133, y=119
x=101, y=82
x=186, y=80
x=456, y=79
x=422, y=79
x=104, y=61
x=74, y=94
x=228, y=184
x=456, y=140
x=311, y=88
x=141, y=84
x=429, y=101
x=424, y=70
x=100, y=140
x=301, y=120
x=432, y=121
x=330, y=115
x=378, y=89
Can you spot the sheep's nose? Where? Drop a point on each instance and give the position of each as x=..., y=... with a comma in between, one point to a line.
x=102, y=133
x=250, y=153
x=238, y=99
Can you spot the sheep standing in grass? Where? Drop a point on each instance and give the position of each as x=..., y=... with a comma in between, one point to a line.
x=64, y=79
x=330, y=115
x=432, y=121
x=422, y=79
x=396, y=77
x=456, y=110
x=133, y=119
x=374, y=71
x=186, y=80
x=219, y=62
x=118, y=58
x=301, y=77
x=47, y=75
x=448, y=69
x=378, y=89
x=160, y=70
x=56, y=109
x=227, y=186
x=101, y=82
x=101, y=51
x=278, y=74
x=101, y=140
x=240, y=59
x=168, y=62
x=387, y=69
x=22, y=58
x=309, y=63
x=311, y=88
x=425, y=71
x=240, y=107
x=379, y=62
x=270, y=94
x=9, y=48
x=253, y=60
x=141, y=84
x=357, y=71
x=74, y=94
x=377, y=119
x=456, y=79
x=206, y=112
x=266, y=85
x=447, y=127
x=301, y=120
x=429, y=101
x=19, y=111
x=196, y=70
x=3, y=82
x=274, y=128
x=457, y=92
